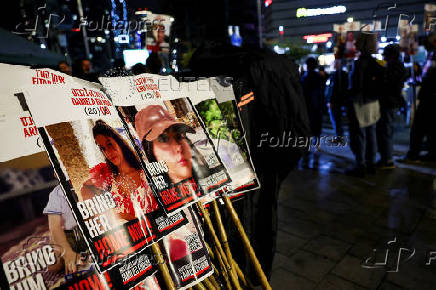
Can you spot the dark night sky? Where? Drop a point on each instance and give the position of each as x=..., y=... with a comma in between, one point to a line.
x=195, y=20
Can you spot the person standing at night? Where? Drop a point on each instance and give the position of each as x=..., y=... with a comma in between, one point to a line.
x=313, y=90
x=336, y=98
x=390, y=101
x=425, y=118
x=365, y=90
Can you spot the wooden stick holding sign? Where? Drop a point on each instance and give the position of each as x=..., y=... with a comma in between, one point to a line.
x=163, y=267
x=242, y=277
x=223, y=233
x=224, y=271
x=233, y=276
x=225, y=242
x=208, y=284
x=246, y=242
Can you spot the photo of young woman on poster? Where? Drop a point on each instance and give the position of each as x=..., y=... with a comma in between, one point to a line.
x=180, y=157
x=121, y=174
x=164, y=139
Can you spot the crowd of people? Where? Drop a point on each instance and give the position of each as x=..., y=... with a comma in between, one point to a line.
x=82, y=68
x=370, y=94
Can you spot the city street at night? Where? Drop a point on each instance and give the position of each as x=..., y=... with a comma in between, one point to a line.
x=222, y=145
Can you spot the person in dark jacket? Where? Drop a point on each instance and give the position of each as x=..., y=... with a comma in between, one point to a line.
x=313, y=90
x=153, y=64
x=425, y=117
x=337, y=96
x=278, y=108
x=390, y=101
x=365, y=89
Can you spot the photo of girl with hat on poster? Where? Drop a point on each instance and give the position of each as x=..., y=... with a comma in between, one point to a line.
x=164, y=139
x=177, y=150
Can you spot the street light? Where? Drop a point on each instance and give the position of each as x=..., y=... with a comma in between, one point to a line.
x=350, y=19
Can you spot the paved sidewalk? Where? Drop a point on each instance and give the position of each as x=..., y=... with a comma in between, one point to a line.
x=331, y=223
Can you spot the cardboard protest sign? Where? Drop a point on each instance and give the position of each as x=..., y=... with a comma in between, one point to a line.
x=216, y=105
x=429, y=17
x=99, y=170
x=159, y=33
x=408, y=36
x=50, y=252
x=158, y=36
x=16, y=124
x=180, y=157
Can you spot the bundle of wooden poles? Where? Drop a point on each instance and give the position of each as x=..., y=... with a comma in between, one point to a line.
x=227, y=273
